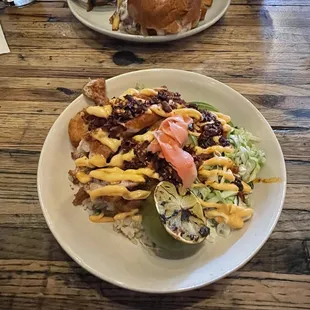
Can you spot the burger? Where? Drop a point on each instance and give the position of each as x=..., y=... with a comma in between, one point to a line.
x=158, y=17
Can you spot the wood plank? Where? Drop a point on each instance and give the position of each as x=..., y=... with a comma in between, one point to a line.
x=62, y=284
x=284, y=255
x=39, y=83
x=224, y=33
x=294, y=144
x=40, y=108
x=239, y=67
x=266, y=16
x=30, y=243
x=297, y=197
x=25, y=129
x=195, y=45
x=288, y=111
x=271, y=84
x=292, y=225
x=52, y=58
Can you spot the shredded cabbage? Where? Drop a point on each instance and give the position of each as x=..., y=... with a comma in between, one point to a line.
x=192, y=140
x=249, y=159
x=202, y=192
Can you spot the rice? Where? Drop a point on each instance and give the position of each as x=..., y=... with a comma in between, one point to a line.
x=130, y=228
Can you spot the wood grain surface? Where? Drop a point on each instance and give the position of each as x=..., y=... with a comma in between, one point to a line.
x=261, y=48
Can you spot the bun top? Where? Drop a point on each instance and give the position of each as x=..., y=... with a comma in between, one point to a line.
x=169, y=16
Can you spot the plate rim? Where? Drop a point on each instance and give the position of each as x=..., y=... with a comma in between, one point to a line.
x=66, y=247
x=147, y=39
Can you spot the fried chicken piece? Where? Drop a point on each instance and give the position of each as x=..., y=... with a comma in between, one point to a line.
x=126, y=205
x=80, y=196
x=77, y=129
x=122, y=205
x=97, y=147
x=96, y=90
x=143, y=121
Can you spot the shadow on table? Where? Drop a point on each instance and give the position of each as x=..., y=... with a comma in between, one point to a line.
x=124, y=53
x=101, y=291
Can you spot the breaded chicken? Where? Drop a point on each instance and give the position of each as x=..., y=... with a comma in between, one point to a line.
x=77, y=129
x=96, y=91
x=122, y=205
x=143, y=121
x=97, y=147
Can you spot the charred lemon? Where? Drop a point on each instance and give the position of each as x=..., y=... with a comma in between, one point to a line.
x=181, y=213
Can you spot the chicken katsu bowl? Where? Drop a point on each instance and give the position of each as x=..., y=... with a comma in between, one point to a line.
x=161, y=172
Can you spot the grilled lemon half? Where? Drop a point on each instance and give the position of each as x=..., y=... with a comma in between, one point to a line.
x=181, y=213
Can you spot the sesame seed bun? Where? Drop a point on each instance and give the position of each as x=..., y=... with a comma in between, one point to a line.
x=169, y=16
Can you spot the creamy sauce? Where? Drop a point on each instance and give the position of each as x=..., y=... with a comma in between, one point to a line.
x=222, y=121
x=101, y=218
x=196, y=134
x=83, y=177
x=188, y=112
x=223, y=186
x=118, y=160
x=246, y=187
x=148, y=136
x=123, y=215
x=96, y=218
x=212, y=149
x=102, y=137
x=116, y=174
x=100, y=111
x=226, y=128
x=98, y=160
x=83, y=162
x=146, y=171
x=216, y=139
x=159, y=111
x=118, y=190
x=148, y=92
x=219, y=161
x=233, y=215
x=134, y=92
x=228, y=175
x=225, y=117
x=129, y=91
x=268, y=180
x=183, y=112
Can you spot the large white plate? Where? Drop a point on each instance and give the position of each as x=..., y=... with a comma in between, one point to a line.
x=110, y=256
x=98, y=20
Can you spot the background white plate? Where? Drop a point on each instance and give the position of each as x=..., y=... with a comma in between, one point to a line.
x=98, y=20
x=110, y=256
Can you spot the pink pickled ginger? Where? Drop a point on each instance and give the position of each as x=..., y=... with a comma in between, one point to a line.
x=169, y=141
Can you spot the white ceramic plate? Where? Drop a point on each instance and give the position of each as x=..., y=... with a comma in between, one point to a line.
x=112, y=257
x=98, y=20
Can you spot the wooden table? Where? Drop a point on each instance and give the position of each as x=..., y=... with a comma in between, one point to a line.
x=260, y=48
